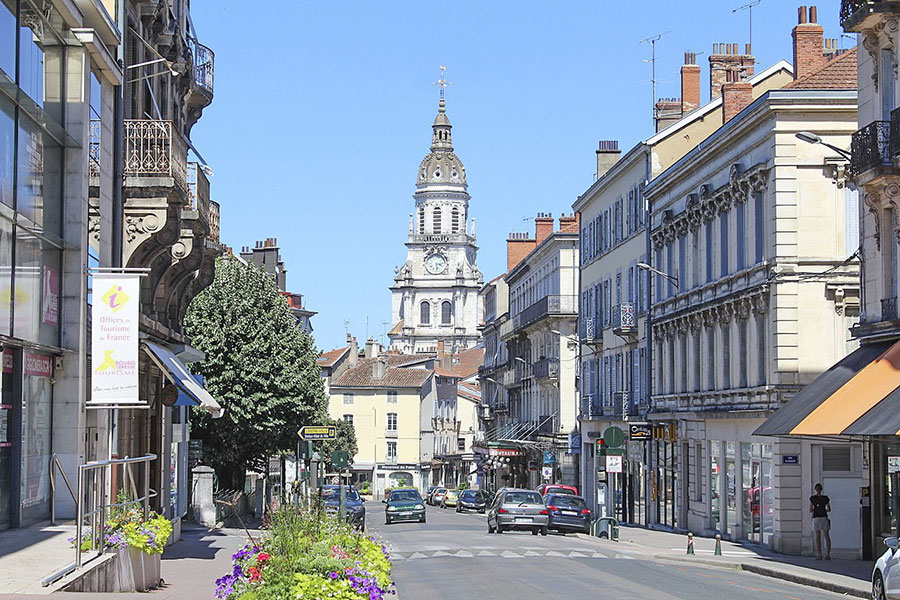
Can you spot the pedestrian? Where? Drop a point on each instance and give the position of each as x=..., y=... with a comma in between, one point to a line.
x=820, y=506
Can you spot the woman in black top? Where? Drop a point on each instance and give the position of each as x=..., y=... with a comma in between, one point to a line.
x=820, y=506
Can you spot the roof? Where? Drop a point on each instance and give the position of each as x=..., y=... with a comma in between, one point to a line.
x=469, y=391
x=405, y=360
x=839, y=73
x=397, y=329
x=466, y=362
x=327, y=359
x=360, y=376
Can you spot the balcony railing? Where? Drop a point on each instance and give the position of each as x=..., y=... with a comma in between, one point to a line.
x=204, y=63
x=509, y=378
x=507, y=328
x=590, y=406
x=501, y=407
x=850, y=7
x=623, y=319
x=548, y=305
x=214, y=220
x=94, y=148
x=889, y=309
x=871, y=148
x=155, y=148
x=854, y=12
x=547, y=368
x=198, y=190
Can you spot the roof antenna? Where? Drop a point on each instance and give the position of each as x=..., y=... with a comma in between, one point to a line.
x=749, y=8
x=652, y=41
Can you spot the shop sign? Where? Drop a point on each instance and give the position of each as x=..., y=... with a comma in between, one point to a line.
x=549, y=457
x=665, y=431
x=398, y=467
x=893, y=464
x=640, y=432
x=114, y=339
x=38, y=365
x=546, y=472
x=50, y=302
x=505, y=452
x=614, y=463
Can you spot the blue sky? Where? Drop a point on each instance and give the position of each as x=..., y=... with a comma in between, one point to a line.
x=323, y=111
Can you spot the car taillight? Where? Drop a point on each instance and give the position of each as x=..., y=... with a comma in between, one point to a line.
x=502, y=511
x=551, y=507
x=585, y=511
x=544, y=512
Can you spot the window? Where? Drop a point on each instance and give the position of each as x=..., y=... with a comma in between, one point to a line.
x=424, y=313
x=392, y=397
x=740, y=236
x=851, y=227
x=461, y=445
x=761, y=349
x=759, y=218
x=348, y=399
x=436, y=220
x=454, y=221
x=698, y=471
x=684, y=363
x=348, y=419
x=392, y=421
x=723, y=244
x=726, y=356
x=696, y=359
x=709, y=251
x=670, y=268
x=421, y=220
x=671, y=363
x=391, y=452
x=742, y=355
x=711, y=358
x=446, y=312
x=682, y=264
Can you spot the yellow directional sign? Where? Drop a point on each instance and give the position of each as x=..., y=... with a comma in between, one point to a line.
x=317, y=432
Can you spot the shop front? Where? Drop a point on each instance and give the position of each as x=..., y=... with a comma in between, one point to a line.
x=390, y=476
x=503, y=465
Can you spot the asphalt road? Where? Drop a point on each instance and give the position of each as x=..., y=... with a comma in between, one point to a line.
x=452, y=556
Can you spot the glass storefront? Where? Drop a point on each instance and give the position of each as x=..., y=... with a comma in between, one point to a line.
x=664, y=481
x=886, y=475
x=36, y=425
x=715, y=469
x=9, y=427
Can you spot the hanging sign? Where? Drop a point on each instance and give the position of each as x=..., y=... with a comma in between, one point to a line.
x=614, y=464
x=114, y=339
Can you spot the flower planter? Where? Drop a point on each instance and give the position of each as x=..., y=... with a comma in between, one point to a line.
x=144, y=568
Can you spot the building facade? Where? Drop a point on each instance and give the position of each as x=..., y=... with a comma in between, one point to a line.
x=435, y=293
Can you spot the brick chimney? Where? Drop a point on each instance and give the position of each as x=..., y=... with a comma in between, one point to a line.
x=607, y=155
x=379, y=368
x=690, y=83
x=353, y=359
x=371, y=348
x=569, y=223
x=809, y=43
x=727, y=65
x=736, y=96
x=518, y=245
x=543, y=227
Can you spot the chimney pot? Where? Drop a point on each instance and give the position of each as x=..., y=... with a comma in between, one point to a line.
x=747, y=49
x=801, y=15
x=813, y=14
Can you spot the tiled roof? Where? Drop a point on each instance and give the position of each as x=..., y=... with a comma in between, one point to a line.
x=361, y=376
x=327, y=359
x=466, y=362
x=402, y=360
x=839, y=73
x=444, y=372
x=397, y=329
x=469, y=390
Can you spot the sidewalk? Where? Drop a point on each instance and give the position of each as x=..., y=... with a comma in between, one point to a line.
x=851, y=577
x=30, y=554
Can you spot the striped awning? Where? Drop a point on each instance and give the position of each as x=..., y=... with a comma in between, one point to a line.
x=860, y=395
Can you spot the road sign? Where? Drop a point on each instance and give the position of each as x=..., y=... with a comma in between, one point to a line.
x=640, y=432
x=318, y=432
x=549, y=457
x=613, y=437
x=614, y=463
x=546, y=472
x=335, y=480
x=340, y=459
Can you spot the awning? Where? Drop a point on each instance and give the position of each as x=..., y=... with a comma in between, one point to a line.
x=860, y=395
x=178, y=374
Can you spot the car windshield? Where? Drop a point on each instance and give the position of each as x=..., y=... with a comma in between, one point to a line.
x=440, y=490
x=333, y=493
x=404, y=495
x=468, y=495
x=566, y=501
x=523, y=498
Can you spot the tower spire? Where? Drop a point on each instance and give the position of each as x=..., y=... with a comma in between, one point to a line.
x=440, y=138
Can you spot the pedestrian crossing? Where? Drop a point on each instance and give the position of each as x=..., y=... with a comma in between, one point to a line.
x=489, y=552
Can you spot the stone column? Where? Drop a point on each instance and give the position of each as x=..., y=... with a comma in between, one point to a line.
x=202, y=506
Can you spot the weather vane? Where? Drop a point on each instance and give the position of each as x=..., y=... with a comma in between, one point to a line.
x=442, y=82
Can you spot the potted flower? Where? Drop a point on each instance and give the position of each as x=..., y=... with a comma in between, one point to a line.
x=142, y=544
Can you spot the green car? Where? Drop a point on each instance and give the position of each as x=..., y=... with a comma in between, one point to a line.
x=404, y=505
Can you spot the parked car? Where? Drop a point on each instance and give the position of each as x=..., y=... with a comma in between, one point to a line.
x=437, y=496
x=404, y=505
x=430, y=492
x=886, y=574
x=472, y=500
x=568, y=513
x=451, y=498
x=354, y=509
x=556, y=488
x=514, y=508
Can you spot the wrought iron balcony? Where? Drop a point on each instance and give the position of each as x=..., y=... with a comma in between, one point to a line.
x=547, y=368
x=590, y=407
x=155, y=148
x=623, y=319
x=889, y=309
x=94, y=149
x=895, y=133
x=509, y=378
x=501, y=407
x=204, y=63
x=854, y=12
x=546, y=306
x=213, y=221
x=871, y=148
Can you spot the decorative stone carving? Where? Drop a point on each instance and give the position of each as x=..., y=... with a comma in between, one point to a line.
x=872, y=46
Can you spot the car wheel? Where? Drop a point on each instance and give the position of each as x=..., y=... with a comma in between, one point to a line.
x=878, y=588
x=422, y=520
x=387, y=521
x=499, y=528
x=544, y=530
x=534, y=532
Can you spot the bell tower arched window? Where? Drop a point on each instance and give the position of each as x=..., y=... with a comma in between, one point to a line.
x=454, y=221
x=421, y=220
x=424, y=313
x=436, y=223
x=446, y=312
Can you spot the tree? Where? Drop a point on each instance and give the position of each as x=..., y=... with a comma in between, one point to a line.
x=260, y=366
x=346, y=440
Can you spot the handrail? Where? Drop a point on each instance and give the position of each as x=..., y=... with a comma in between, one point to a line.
x=54, y=460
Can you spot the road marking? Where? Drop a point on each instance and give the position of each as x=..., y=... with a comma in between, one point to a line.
x=464, y=554
x=486, y=553
x=555, y=553
x=416, y=555
x=508, y=554
x=441, y=553
x=532, y=553
x=577, y=555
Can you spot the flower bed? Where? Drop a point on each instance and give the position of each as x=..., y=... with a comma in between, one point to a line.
x=307, y=556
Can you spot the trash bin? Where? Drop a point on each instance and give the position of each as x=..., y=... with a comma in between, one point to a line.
x=607, y=527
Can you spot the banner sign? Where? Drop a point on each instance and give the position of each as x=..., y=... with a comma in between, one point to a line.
x=50, y=297
x=38, y=365
x=114, y=339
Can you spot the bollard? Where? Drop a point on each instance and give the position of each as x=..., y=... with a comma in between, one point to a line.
x=690, y=547
x=718, y=551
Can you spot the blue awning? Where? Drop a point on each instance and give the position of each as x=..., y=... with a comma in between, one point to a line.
x=179, y=375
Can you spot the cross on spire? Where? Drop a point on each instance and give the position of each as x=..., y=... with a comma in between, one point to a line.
x=443, y=83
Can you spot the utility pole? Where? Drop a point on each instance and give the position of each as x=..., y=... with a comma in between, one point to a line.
x=652, y=41
x=749, y=8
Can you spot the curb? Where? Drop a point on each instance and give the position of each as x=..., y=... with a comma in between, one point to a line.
x=706, y=562
x=807, y=581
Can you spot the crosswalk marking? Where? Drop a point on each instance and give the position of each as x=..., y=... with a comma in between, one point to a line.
x=517, y=553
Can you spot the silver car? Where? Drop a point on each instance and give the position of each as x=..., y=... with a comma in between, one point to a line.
x=517, y=509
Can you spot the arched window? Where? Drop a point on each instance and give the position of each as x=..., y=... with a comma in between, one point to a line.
x=446, y=310
x=424, y=313
x=421, y=220
x=454, y=221
x=436, y=225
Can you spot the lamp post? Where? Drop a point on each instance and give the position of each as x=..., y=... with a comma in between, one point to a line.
x=811, y=138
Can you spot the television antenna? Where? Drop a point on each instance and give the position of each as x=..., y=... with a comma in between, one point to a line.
x=347, y=326
x=652, y=41
x=749, y=8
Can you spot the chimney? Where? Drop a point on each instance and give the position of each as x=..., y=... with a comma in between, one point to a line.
x=440, y=348
x=809, y=43
x=379, y=368
x=371, y=348
x=607, y=155
x=569, y=223
x=727, y=65
x=543, y=227
x=354, y=350
x=668, y=111
x=736, y=96
x=690, y=83
x=518, y=245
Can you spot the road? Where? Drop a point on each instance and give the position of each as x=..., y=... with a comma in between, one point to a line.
x=453, y=556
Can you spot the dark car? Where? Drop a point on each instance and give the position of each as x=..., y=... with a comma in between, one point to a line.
x=404, y=505
x=568, y=513
x=354, y=508
x=471, y=500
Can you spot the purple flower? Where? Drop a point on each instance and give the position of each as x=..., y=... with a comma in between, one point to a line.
x=333, y=575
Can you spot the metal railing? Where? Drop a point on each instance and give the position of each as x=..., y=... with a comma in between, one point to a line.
x=94, y=129
x=871, y=147
x=889, y=309
x=155, y=148
x=198, y=190
x=590, y=406
x=204, y=65
x=548, y=305
x=54, y=462
x=849, y=8
x=546, y=368
x=623, y=318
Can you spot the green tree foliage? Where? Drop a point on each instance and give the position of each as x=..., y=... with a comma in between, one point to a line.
x=260, y=366
x=346, y=440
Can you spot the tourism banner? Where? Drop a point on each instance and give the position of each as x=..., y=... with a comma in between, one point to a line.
x=114, y=339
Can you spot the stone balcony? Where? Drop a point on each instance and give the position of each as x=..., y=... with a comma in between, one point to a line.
x=546, y=369
x=858, y=15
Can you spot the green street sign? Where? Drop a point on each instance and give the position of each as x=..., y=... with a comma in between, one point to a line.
x=340, y=459
x=613, y=437
x=318, y=432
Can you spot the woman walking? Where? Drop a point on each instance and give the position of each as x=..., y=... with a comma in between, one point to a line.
x=820, y=506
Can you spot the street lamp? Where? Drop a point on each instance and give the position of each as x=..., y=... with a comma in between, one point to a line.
x=672, y=278
x=811, y=138
x=523, y=361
